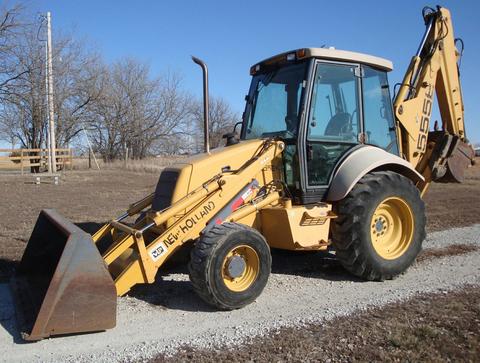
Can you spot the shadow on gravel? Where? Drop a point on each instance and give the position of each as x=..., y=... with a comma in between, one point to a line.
x=179, y=295
x=89, y=227
x=313, y=264
x=7, y=314
x=172, y=295
x=7, y=268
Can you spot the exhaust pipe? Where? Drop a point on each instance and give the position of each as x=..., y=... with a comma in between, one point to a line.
x=206, y=138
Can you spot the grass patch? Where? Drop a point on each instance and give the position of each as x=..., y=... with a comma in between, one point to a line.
x=148, y=165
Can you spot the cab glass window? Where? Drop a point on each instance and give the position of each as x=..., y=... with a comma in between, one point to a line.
x=334, y=109
x=273, y=105
x=377, y=111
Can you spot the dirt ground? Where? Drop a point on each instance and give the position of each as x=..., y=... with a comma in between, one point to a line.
x=89, y=198
x=440, y=327
x=454, y=205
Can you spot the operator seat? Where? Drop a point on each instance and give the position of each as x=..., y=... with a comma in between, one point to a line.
x=337, y=123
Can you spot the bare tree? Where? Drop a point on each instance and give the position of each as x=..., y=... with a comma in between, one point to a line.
x=23, y=113
x=24, y=110
x=221, y=117
x=77, y=83
x=10, y=26
x=136, y=111
x=120, y=104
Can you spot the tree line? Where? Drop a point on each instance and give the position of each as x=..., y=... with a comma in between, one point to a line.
x=119, y=105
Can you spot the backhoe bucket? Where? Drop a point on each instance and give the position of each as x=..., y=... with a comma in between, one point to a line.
x=460, y=159
x=62, y=285
x=451, y=157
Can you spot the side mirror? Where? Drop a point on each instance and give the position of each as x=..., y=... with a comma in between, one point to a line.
x=232, y=137
x=235, y=126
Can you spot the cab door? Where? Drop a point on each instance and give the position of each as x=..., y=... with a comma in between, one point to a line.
x=379, y=123
x=333, y=124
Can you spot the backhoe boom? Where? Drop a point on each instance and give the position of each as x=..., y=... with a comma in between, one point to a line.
x=434, y=69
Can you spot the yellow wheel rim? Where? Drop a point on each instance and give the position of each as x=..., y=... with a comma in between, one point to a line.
x=392, y=228
x=240, y=268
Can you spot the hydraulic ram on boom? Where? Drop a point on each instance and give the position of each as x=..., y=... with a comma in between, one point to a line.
x=441, y=154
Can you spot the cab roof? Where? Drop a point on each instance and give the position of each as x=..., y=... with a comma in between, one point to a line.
x=331, y=54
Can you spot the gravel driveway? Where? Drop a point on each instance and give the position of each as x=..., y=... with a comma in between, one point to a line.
x=302, y=288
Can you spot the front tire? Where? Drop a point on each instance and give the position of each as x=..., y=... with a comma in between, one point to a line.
x=380, y=226
x=230, y=265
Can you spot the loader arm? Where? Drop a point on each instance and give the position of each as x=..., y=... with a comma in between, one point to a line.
x=133, y=259
x=434, y=68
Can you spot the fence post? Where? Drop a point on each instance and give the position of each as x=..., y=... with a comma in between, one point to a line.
x=21, y=159
x=44, y=155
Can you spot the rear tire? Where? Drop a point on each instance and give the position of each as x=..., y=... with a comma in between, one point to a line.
x=230, y=265
x=380, y=226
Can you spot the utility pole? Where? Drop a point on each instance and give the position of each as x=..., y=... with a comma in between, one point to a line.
x=51, y=113
x=49, y=149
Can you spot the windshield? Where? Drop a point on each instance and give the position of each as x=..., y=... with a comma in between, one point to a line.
x=273, y=104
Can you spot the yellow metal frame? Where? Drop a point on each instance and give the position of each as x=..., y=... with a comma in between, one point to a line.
x=297, y=227
x=132, y=259
x=413, y=106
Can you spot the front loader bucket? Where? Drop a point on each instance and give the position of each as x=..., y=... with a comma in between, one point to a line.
x=62, y=285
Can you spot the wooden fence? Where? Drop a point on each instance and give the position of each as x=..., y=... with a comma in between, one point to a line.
x=24, y=159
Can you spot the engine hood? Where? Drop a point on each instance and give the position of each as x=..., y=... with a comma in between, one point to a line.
x=178, y=180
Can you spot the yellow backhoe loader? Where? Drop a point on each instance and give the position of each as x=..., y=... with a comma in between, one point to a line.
x=324, y=160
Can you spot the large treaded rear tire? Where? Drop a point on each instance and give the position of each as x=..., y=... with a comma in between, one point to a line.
x=352, y=230
x=207, y=261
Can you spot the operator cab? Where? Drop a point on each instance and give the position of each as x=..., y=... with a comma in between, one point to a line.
x=323, y=103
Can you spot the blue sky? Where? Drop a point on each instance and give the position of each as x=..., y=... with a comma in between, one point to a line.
x=232, y=35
